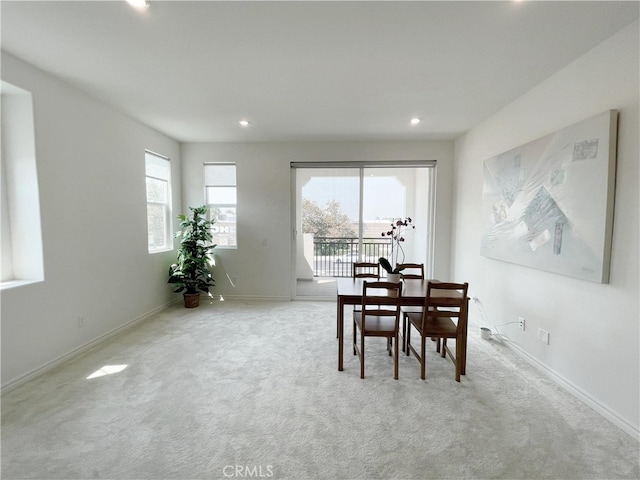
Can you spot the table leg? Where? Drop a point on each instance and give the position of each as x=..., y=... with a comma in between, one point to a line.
x=463, y=369
x=340, y=333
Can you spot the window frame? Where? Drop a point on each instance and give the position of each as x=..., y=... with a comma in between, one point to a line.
x=22, y=243
x=212, y=206
x=167, y=207
x=425, y=217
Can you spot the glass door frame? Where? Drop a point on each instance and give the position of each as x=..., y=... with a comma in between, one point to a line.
x=362, y=165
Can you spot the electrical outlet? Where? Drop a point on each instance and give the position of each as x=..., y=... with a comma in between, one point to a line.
x=543, y=336
x=521, y=323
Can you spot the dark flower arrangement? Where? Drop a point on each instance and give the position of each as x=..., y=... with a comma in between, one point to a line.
x=398, y=227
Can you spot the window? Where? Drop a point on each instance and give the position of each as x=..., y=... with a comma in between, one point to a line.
x=22, y=254
x=158, y=171
x=220, y=192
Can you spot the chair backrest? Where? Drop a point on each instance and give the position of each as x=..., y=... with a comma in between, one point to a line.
x=446, y=299
x=381, y=298
x=366, y=270
x=412, y=270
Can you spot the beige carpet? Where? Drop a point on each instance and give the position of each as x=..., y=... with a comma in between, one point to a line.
x=251, y=390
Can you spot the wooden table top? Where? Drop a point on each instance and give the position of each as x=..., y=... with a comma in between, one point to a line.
x=411, y=288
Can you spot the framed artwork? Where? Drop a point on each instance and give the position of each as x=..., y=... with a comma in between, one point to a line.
x=549, y=203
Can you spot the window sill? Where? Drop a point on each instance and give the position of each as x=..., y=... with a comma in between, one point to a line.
x=8, y=284
x=160, y=251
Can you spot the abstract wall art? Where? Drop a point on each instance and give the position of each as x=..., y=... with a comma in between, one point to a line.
x=549, y=203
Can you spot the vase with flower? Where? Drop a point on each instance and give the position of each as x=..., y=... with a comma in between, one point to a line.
x=393, y=264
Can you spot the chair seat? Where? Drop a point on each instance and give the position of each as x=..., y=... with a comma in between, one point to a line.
x=435, y=326
x=374, y=324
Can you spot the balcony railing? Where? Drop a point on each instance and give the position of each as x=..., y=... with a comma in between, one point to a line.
x=334, y=256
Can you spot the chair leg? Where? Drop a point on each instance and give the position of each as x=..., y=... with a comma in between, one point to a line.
x=463, y=354
x=444, y=347
x=460, y=360
x=395, y=359
x=354, y=337
x=407, y=339
x=423, y=361
x=404, y=330
x=361, y=354
x=457, y=359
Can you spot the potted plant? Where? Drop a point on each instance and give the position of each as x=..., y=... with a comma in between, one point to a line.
x=396, y=234
x=190, y=274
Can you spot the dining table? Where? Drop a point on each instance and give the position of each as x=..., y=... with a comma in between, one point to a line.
x=414, y=292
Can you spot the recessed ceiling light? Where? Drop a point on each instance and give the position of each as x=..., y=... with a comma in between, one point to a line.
x=415, y=121
x=138, y=4
x=244, y=123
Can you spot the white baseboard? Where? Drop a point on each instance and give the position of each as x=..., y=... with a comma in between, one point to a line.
x=568, y=386
x=315, y=299
x=77, y=352
x=252, y=298
x=577, y=392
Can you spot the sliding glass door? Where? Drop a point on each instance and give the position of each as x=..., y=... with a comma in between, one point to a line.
x=341, y=211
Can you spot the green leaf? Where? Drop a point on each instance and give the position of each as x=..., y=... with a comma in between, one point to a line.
x=384, y=263
x=191, y=272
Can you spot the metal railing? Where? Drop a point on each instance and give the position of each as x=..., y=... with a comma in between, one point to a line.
x=334, y=256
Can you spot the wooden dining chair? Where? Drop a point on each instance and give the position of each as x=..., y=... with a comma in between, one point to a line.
x=444, y=316
x=379, y=316
x=366, y=270
x=412, y=270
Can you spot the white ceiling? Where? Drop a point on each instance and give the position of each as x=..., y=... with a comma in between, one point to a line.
x=301, y=71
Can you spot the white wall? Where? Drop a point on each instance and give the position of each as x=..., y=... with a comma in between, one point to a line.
x=90, y=162
x=264, y=204
x=594, y=328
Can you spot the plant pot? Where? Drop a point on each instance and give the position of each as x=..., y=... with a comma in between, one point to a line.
x=191, y=300
x=394, y=277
